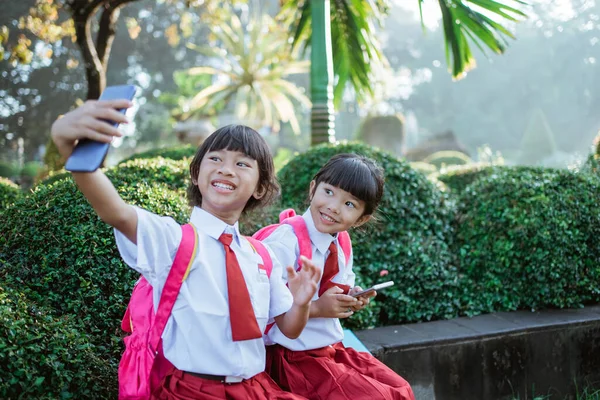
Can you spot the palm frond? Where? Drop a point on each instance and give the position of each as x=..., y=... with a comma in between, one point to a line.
x=255, y=58
x=201, y=99
x=463, y=24
x=291, y=90
x=284, y=108
x=214, y=52
x=209, y=71
x=356, y=50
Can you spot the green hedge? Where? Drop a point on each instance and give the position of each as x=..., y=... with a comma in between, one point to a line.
x=410, y=241
x=9, y=192
x=528, y=238
x=447, y=158
x=457, y=178
x=68, y=257
x=55, y=176
x=8, y=170
x=592, y=164
x=173, y=173
x=172, y=153
x=46, y=357
x=31, y=169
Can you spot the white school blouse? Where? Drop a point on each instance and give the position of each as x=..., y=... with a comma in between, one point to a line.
x=197, y=337
x=319, y=332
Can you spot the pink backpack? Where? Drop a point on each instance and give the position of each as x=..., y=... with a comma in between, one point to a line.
x=298, y=224
x=288, y=216
x=143, y=364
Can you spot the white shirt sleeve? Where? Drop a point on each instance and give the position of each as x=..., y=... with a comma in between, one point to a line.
x=157, y=242
x=284, y=244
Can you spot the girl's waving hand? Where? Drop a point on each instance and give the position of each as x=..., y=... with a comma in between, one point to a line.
x=303, y=284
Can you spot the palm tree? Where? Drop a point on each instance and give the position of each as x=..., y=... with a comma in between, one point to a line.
x=343, y=43
x=251, y=63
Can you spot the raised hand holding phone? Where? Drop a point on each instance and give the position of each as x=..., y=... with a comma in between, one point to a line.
x=97, y=132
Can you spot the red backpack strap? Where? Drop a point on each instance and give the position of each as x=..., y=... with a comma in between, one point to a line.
x=345, y=244
x=178, y=273
x=299, y=226
x=263, y=253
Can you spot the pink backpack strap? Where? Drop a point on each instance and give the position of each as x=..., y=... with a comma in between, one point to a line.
x=299, y=226
x=287, y=213
x=179, y=271
x=263, y=253
x=345, y=244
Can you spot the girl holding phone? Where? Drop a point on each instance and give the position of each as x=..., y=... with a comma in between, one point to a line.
x=343, y=194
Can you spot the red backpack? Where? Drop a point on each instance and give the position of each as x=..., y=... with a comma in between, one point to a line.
x=143, y=364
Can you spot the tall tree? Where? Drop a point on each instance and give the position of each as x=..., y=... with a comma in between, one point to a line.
x=356, y=53
x=46, y=21
x=321, y=75
x=43, y=72
x=90, y=23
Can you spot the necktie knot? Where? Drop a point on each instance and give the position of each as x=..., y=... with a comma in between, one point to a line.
x=333, y=249
x=226, y=239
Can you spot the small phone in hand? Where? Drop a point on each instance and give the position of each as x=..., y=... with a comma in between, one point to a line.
x=88, y=155
x=373, y=288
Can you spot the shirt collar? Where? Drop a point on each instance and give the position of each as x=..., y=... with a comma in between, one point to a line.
x=213, y=226
x=319, y=239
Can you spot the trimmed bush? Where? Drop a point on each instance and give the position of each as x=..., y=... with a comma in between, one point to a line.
x=173, y=173
x=52, y=159
x=253, y=220
x=386, y=132
x=45, y=357
x=457, y=178
x=591, y=164
x=31, y=169
x=409, y=242
x=9, y=192
x=447, y=158
x=172, y=153
x=8, y=170
x=68, y=257
x=55, y=177
x=528, y=238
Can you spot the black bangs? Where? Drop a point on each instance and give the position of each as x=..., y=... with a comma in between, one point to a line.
x=356, y=175
x=238, y=138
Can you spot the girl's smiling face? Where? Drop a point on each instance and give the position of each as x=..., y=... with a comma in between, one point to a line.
x=334, y=210
x=227, y=180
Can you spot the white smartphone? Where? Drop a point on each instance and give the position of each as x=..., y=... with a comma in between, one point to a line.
x=373, y=288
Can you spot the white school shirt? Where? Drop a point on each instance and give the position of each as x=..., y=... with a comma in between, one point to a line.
x=197, y=337
x=319, y=332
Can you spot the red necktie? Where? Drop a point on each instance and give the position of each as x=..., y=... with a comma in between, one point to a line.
x=241, y=314
x=330, y=270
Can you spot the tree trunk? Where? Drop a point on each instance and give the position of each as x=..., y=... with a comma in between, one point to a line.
x=96, y=53
x=94, y=71
x=322, y=119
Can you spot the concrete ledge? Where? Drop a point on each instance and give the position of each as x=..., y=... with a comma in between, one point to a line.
x=494, y=356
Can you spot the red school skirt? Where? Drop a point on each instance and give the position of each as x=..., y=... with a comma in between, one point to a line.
x=179, y=385
x=335, y=373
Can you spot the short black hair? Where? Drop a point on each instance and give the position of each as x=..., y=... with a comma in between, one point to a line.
x=355, y=174
x=245, y=140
